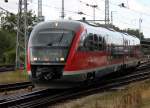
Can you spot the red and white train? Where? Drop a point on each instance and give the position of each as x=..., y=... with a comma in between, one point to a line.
x=74, y=49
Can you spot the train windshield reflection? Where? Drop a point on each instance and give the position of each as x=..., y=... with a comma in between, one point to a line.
x=53, y=38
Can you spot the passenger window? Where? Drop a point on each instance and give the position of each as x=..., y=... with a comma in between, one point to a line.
x=95, y=43
x=100, y=43
x=90, y=42
x=95, y=38
x=100, y=38
x=104, y=44
x=90, y=37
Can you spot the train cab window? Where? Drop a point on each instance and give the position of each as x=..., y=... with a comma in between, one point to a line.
x=82, y=41
x=89, y=42
x=53, y=37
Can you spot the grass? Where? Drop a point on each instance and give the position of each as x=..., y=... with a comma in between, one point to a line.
x=136, y=95
x=12, y=77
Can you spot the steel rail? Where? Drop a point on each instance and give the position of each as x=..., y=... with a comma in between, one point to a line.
x=4, y=68
x=15, y=86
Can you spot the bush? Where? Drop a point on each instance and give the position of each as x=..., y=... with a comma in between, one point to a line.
x=9, y=57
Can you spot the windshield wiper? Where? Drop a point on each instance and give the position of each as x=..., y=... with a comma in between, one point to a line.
x=56, y=43
x=49, y=44
x=61, y=37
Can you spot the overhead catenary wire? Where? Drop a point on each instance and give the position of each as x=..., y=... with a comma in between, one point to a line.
x=83, y=13
x=58, y=8
x=134, y=25
x=69, y=11
x=136, y=21
x=129, y=9
x=94, y=6
x=118, y=7
x=74, y=12
x=87, y=4
x=111, y=3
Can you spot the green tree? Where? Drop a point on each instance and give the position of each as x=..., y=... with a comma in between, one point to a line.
x=11, y=21
x=135, y=33
x=8, y=33
x=7, y=43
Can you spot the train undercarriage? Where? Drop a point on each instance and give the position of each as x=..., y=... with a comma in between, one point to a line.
x=47, y=72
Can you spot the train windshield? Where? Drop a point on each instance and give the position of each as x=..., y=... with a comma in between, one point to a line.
x=50, y=46
x=53, y=38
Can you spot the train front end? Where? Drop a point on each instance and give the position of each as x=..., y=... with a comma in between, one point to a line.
x=49, y=48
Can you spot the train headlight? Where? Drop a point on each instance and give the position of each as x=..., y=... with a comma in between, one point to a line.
x=35, y=58
x=62, y=59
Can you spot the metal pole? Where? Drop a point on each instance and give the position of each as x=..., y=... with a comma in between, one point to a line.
x=93, y=6
x=140, y=21
x=25, y=26
x=106, y=12
x=40, y=10
x=93, y=13
x=111, y=17
x=62, y=11
x=17, y=39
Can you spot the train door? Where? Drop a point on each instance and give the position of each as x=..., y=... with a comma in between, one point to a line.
x=124, y=50
x=108, y=49
x=127, y=51
x=116, y=51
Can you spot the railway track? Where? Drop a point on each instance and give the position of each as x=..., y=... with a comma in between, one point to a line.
x=51, y=96
x=143, y=66
x=5, y=68
x=15, y=86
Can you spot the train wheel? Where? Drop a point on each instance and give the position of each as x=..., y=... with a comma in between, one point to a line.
x=90, y=77
x=138, y=64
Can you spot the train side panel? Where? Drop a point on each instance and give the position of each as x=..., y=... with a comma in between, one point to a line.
x=91, y=50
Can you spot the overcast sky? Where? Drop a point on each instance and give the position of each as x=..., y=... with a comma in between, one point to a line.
x=122, y=17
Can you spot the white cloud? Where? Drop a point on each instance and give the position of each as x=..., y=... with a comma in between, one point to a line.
x=135, y=5
x=124, y=18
